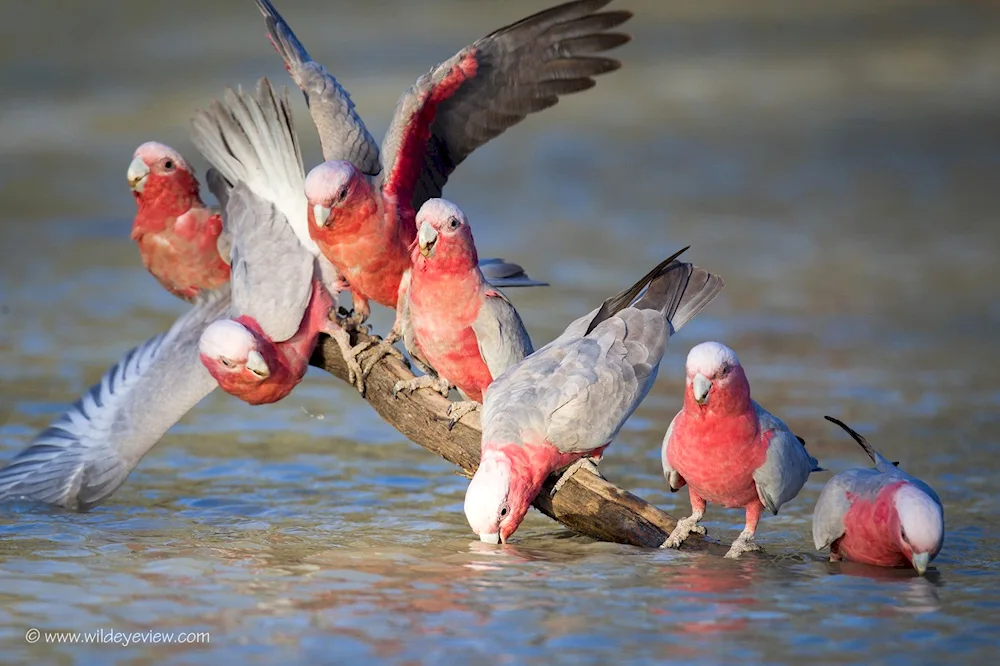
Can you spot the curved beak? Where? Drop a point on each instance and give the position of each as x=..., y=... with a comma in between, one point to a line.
x=701, y=386
x=321, y=215
x=920, y=562
x=490, y=537
x=427, y=238
x=137, y=172
x=257, y=364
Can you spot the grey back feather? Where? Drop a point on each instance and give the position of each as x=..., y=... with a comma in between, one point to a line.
x=271, y=271
x=581, y=388
x=88, y=452
x=342, y=134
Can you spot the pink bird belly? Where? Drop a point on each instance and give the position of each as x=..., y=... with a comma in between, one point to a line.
x=183, y=263
x=718, y=463
x=454, y=355
x=871, y=531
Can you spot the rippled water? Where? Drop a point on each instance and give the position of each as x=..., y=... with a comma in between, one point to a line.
x=839, y=168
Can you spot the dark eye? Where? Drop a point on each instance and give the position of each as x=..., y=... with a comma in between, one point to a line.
x=453, y=222
x=902, y=533
x=342, y=195
x=725, y=370
x=168, y=165
x=226, y=362
x=504, y=511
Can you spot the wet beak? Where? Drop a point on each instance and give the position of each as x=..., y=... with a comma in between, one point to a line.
x=426, y=238
x=321, y=215
x=920, y=562
x=490, y=538
x=701, y=386
x=257, y=365
x=137, y=172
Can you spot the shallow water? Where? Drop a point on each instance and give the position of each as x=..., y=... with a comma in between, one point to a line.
x=838, y=167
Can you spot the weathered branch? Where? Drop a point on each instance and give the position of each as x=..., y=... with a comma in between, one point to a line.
x=586, y=503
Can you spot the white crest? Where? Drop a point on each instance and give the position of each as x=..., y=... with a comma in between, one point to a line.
x=486, y=494
x=226, y=338
x=709, y=357
x=921, y=518
x=327, y=179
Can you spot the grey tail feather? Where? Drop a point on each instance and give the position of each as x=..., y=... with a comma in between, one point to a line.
x=872, y=453
x=615, y=304
x=219, y=187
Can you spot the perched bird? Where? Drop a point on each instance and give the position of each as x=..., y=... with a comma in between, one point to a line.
x=453, y=321
x=562, y=405
x=728, y=449
x=283, y=291
x=361, y=215
x=88, y=452
x=178, y=235
x=880, y=516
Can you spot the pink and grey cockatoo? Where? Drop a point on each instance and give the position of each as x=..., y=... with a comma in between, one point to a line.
x=451, y=318
x=880, y=516
x=728, y=449
x=88, y=452
x=562, y=405
x=361, y=215
x=283, y=289
x=178, y=235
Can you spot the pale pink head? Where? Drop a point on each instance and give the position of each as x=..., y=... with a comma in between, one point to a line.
x=156, y=167
x=333, y=188
x=716, y=383
x=233, y=356
x=921, y=525
x=444, y=238
x=497, y=499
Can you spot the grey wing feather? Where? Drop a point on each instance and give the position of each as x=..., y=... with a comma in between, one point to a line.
x=502, y=340
x=786, y=466
x=342, y=134
x=831, y=507
x=251, y=137
x=494, y=84
x=88, y=452
x=406, y=326
x=502, y=274
x=271, y=271
x=674, y=479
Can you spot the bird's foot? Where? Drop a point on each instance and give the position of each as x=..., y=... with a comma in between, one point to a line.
x=685, y=527
x=355, y=374
x=586, y=463
x=438, y=384
x=459, y=409
x=744, y=544
x=378, y=351
x=352, y=321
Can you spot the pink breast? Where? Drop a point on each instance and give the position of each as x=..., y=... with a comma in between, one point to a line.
x=871, y=531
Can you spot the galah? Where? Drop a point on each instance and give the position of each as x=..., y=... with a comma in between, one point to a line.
x=728, y=449
x=283, y=291
x=452, y=319
x=880, y=516
x=178, y=235
x=88, y=452
x=562, y=405
x=363, y=215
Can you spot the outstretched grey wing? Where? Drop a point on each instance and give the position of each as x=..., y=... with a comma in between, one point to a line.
x=342, y=134
x=88, y=452
x=271, y=271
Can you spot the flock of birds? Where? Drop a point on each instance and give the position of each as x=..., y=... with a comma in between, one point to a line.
x=264, y=271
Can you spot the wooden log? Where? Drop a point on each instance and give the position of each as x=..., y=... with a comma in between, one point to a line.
x=585, y=504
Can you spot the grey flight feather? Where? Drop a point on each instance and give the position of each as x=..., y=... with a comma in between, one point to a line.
x=787, y=464
x=271, y=271
x=579, y=389
x=517, y=70
x=674, y=479
x=250, y=137
x=342, y=133
x=504, y=274
x=833, y=502
x=503, y=341
x=88, y=452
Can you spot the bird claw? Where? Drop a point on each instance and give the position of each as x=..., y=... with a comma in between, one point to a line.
x=351, y=321
x=685, y=527
x=437, y=384
x=742, y=545
x=378, y=351
x=585, y=463
x=457, y=410
x=355, y=373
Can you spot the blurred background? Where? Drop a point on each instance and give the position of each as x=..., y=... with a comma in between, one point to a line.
x=836, y=161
